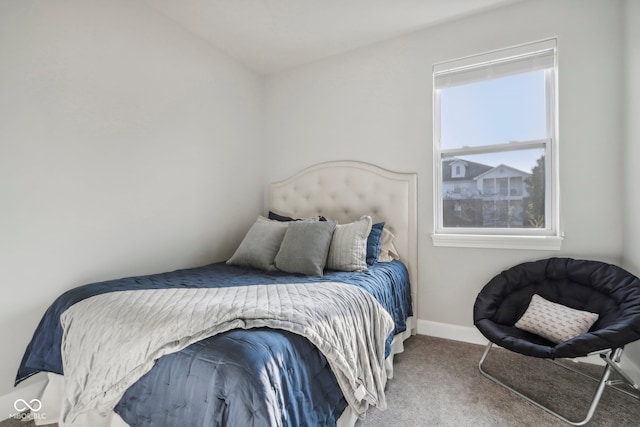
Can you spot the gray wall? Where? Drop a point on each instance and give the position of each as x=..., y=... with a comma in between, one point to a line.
x=374, y=104
x=631, y=224
x=125, y=145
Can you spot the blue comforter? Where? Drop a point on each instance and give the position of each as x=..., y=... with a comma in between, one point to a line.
x=261, y=377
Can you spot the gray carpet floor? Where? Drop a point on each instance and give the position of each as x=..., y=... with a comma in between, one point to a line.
x=437, y=383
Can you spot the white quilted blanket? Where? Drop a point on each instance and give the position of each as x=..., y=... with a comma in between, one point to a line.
x=112, y=340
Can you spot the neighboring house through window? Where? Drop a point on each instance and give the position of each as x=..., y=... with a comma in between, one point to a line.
x=495, y=149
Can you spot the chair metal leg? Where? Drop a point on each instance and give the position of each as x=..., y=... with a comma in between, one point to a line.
x=613, y=362
x=594, y=403
x=614, y=384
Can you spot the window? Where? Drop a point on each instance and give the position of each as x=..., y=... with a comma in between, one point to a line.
x=495, y=115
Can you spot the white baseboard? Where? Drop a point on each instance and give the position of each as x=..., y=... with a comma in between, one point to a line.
x=631, y=368
x=27, y=392
x=448, y=331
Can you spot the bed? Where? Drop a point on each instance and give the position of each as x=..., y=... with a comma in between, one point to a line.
x=247, y=369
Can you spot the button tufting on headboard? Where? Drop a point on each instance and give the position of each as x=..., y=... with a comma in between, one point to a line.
x=345, y=190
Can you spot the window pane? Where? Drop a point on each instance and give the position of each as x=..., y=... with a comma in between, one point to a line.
x=504, y=190
x=494, y=136
x=494, y=111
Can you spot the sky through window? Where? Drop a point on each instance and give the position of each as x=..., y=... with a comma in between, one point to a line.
x=495, y=111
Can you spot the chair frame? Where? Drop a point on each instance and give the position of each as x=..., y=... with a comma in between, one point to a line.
x=611, y=358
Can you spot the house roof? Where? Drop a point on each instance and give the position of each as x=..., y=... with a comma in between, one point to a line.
x=472, y=170
x=503, y=166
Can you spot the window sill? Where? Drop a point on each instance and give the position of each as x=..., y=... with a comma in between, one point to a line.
x=543, y=243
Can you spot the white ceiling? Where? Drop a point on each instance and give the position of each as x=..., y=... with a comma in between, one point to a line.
x=272, y=35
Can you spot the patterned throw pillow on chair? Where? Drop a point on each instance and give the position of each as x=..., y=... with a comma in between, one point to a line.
x=555, y=322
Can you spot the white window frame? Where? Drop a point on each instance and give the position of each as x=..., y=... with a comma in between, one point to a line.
x=548, y=238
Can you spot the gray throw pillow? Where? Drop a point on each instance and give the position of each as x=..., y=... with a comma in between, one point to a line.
x=260, y=245
x=305, y=247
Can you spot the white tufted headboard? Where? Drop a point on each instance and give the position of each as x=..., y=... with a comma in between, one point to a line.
x=345, y=190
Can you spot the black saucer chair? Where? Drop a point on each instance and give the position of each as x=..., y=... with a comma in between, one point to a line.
x=588, y=286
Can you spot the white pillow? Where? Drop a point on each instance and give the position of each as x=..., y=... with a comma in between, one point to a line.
x=348, y=250
x=388, y=250
x=555, y=322
x=260, y=245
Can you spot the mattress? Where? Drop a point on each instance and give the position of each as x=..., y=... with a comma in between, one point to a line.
x=256, y=377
